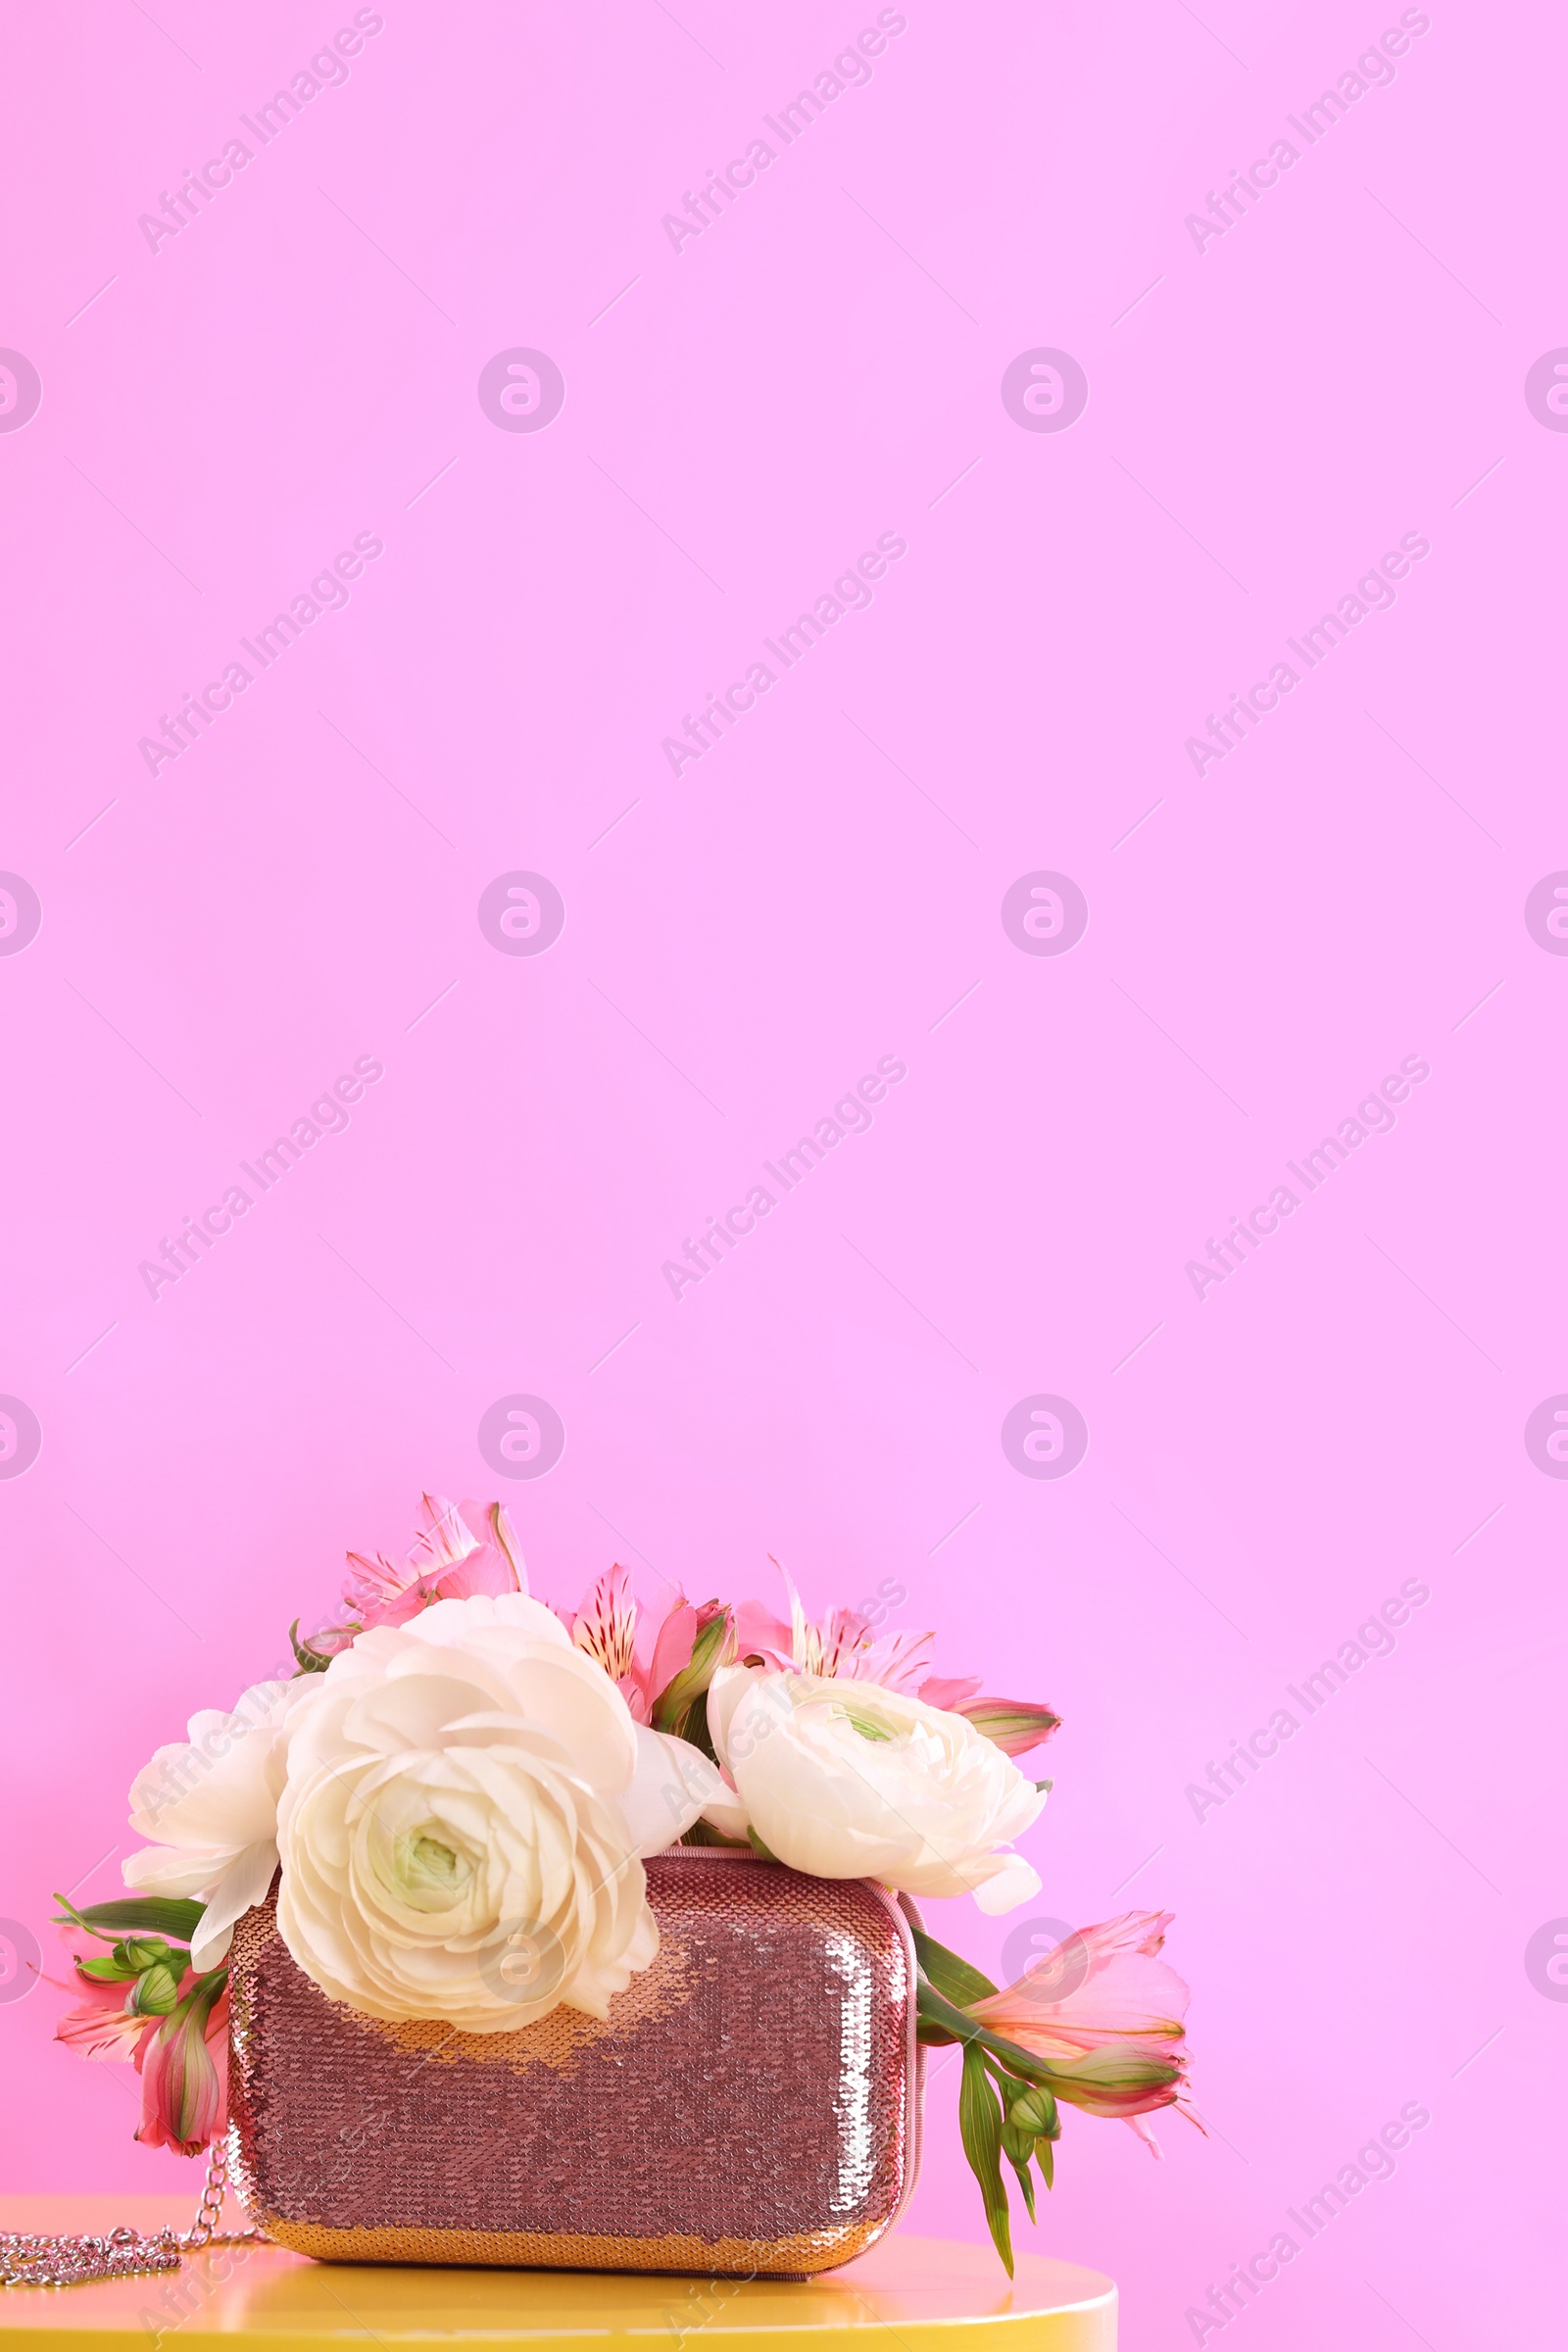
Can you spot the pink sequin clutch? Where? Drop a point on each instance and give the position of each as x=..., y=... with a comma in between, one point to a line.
x=753, y=2104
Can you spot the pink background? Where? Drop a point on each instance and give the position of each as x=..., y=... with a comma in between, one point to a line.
x=1267, y=417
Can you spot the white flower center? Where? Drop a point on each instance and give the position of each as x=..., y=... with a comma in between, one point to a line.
x=427, y=1873
x=863, y=1717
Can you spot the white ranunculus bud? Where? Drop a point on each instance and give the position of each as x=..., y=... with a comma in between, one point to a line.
x=849, y=1779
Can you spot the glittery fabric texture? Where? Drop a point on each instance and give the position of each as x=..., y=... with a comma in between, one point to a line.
x=752, y=2105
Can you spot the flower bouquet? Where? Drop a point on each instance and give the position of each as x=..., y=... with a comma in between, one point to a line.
x=488, y=1929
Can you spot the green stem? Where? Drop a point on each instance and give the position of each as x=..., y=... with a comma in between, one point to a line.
x=956, y=2024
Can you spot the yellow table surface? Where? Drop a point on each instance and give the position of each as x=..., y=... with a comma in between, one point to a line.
x=915, y=2291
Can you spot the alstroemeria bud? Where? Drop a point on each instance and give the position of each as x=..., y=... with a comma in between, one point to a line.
x=137, y=1952
x=710, y=1650
x=1034, y=2111
x=154, y=1993
x=1119, y=2081
x=1015, y=1724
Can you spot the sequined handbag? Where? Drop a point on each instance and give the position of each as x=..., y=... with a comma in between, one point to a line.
x=752, y=2105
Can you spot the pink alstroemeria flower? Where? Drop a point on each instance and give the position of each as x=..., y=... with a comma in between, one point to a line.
x=1103, y=2011
x=100, y=2026
x=845, y=1643
x=446, y=1561
x=184, y=2071
x=641, y=1648
x=182, y=2058
x=842, y=1644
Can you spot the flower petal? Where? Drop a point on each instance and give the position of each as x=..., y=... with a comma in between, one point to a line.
x=1013, y=1884
x=949, y=1691
x=759, y=1634
x=243, y=1884
x=725, y=1691
x=604, y=1627
x=177, y=1870
x=505, y=1538
x=726, y=1814
x=100, y=2026
x=442, y=1538
x=673, y=1784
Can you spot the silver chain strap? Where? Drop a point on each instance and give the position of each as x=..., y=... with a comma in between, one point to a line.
x=31, y=2260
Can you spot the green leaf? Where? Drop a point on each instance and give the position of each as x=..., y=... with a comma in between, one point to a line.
x=954, y=1979
x=980, y=2123
x=762, y=1852
x=1026, y=2182
x=933, y=2036
x=176, y=1916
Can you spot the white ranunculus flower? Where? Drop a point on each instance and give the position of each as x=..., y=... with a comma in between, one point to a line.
x=849, y=1779
x=211, y=1803
x=466, y=1804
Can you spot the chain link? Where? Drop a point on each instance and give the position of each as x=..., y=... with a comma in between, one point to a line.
x=30, y=2259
